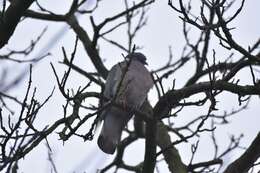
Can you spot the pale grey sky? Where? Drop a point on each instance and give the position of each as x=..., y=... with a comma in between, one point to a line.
x=164, y=29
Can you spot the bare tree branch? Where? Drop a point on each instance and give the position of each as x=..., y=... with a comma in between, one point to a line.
x=10, y=19
x=246, y=160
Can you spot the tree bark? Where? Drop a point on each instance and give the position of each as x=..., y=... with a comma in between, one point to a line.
x=246, y=161
x=11, y=18
x=171, y=155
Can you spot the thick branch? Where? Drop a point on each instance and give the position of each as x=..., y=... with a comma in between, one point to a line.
x=150, y=146
x=42, y=16
x=171, y=155
x=174, y=96
x=246, y=161
x=150, y=141
x=11, y=18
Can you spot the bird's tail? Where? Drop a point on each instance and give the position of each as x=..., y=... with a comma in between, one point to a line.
x=115, y=120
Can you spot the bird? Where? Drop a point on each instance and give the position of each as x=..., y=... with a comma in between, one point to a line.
x=128, y=82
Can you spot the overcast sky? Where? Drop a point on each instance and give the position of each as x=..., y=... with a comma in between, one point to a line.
x=164, y=29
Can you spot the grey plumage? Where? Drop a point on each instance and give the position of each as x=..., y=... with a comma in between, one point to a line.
x=131, y=88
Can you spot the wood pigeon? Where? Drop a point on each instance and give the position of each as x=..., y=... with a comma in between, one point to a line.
x=127, y=82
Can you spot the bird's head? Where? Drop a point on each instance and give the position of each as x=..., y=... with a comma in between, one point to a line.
x=137, y=56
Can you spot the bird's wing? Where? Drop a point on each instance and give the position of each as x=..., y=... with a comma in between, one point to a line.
x=113, y=79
